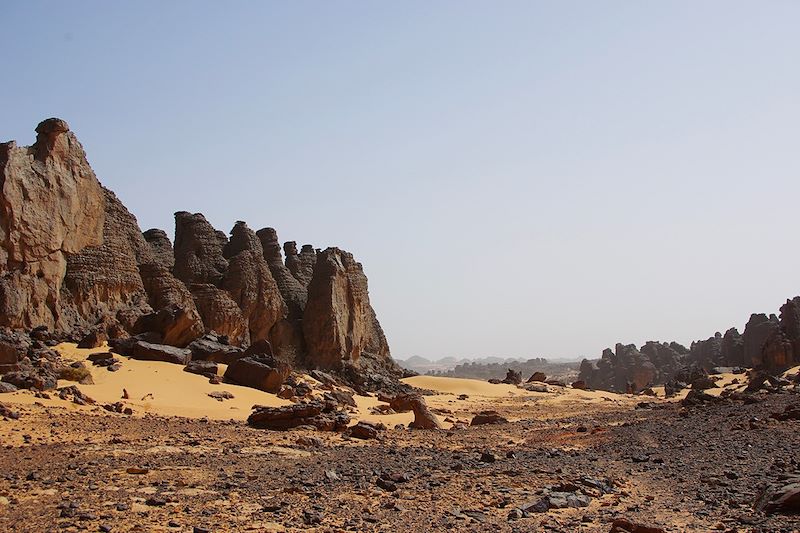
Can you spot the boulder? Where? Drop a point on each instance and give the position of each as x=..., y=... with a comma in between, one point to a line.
x=148, y=351
x=210, y=347
x=488, y=417
x=13, y=347
x=39, y=377
x=204, y=368
x=366, y=430
x=322, y=416
x=513, y=377
x=262, y=372
x=7, y=387
x=93, y=339
x=537, y=376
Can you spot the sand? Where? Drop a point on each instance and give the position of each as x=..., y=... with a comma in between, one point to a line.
x=165, y=389
x=157, y=388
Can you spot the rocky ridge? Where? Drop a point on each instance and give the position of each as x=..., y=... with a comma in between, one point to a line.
x=769, y=343
x=91, y=271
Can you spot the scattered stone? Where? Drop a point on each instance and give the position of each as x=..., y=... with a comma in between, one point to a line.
x=202, y=367
x=221, y=395
x=8, y=413
x=622, y=525
x=488, y=417
x=366, y=430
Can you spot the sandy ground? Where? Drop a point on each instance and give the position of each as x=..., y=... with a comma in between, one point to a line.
x=164, y=389
x=157, y=388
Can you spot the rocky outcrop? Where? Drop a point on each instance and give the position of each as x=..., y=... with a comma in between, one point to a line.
x=626, y=369
x=51, y=205
x=294, y=292
x=756, y=332
x=320, y=415
x=220, y=313
x=198, y=250
x=73, y=259
x=300, y=265
x=250, y=283
x=104, y=280
x=339, y=323
x=123, y=279
x=161, y=246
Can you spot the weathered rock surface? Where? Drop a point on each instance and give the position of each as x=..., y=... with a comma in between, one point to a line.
x=300, y=265
x=160, y=352
x=423, y=417
x=161, y=246
x=322, y=416
x=250, y=283
x=262, y=372
x=51, y=205
x=74, y=261
x=339, y=324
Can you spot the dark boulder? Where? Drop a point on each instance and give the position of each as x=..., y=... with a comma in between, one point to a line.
x=210, y=347
x=260, y=372
x=204, y=368
x=160, y=352
x=322, y=416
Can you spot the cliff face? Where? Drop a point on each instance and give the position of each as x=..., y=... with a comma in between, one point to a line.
x=73, y=259
x=51, y=205
x=339, y=323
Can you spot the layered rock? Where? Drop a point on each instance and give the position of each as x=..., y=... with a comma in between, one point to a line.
x=339, y=324
x=250, y=283
x=161, y=246
x=73, y=259
x=300, y=265
x=51, y=205
x=287, y=334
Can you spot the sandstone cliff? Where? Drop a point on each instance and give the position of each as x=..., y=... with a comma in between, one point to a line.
x=74, y=260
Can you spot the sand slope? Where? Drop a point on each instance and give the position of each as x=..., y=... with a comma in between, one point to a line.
x=158, y=388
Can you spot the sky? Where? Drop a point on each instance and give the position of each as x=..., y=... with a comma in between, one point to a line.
x=519, y=179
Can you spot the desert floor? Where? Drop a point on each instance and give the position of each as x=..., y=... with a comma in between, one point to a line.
x=185, y=461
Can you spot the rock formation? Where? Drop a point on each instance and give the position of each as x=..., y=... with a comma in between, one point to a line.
x=626, y=369
x=51, y=205
x=339, y=323
x=74, y=261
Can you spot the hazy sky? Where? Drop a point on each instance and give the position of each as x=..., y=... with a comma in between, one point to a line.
x=518, y=178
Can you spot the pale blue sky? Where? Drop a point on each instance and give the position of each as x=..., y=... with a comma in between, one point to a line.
x=518, y=178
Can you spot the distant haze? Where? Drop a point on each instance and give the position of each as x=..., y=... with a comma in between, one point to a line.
x=519, y=179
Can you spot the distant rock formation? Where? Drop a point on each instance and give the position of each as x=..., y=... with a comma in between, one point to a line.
x=74, y=260
x=768, y=343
